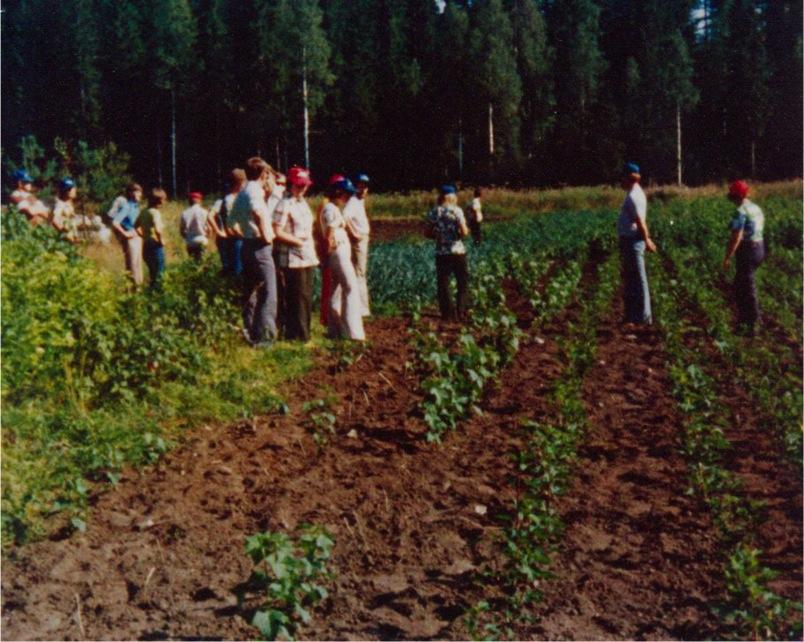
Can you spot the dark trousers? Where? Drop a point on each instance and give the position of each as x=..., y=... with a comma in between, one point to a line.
x=153, y=254
x=196, y=252
x=259, y=291
x=475, y=229
x=281, y=294
x=749, y=256
x=298, y=302
x=230, y=251
x=446, y=266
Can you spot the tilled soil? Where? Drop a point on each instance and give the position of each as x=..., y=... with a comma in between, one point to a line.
x=414, y=524
x=638, y=559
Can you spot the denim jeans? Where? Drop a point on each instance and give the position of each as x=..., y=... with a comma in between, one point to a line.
x=154, y=255
x=749, y=256
x=259, y=291
x=636, y=293
x=230, y=251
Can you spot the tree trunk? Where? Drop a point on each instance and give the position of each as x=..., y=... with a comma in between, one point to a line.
x=306, y=113
x=173, y=139
x=159, y=157
x=679, y=177
x=753, y=158
x=460, y=148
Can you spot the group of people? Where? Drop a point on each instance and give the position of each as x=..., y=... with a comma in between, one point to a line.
x=269, y=239
x=746, y=244
x=63, y=216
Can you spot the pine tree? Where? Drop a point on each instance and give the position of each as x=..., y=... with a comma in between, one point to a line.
x=574, y=28
x=534, y=63
x=498, y=83
x=172, y=34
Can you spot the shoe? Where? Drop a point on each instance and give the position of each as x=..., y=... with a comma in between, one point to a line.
x=247, y=336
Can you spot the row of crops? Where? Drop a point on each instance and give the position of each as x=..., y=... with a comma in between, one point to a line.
x=556, y=261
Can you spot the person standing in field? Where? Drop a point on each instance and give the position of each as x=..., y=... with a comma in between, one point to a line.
x=124, y=214
x=476, y=216
x=632, y=229
x=355, y=213
x=293, y=223
x=63, y=216
x=446, y=225
x=250, y=220
x=344, y=319
x=194, y=226
x=23, y=197
x=228, y=248
x=747, y=244
x=322, y=249
x=151, y=228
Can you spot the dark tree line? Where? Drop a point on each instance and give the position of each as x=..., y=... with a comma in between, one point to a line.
x=414, y=91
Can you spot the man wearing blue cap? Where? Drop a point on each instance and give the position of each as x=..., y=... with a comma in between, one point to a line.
x=23, y=197
x=632, y=228
x=446, y=224
x=355, y=212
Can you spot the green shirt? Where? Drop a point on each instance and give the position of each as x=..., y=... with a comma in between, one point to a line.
x=149, y=223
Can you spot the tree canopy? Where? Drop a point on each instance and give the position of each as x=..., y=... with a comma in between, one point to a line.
x=524, y=92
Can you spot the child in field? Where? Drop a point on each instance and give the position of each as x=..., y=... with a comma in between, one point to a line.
x=151, y=228
x=124, y=215
x=229, y=248
x=476, y=216
x=63, y=216
x=194, y=226
x=23, y=197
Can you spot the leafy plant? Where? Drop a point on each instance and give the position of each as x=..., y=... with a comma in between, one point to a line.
x=320, y=419
x=286, y=573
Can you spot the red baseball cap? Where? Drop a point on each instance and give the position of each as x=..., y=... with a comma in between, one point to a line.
x=299, y=176
x=195, y=196
x=738, y=189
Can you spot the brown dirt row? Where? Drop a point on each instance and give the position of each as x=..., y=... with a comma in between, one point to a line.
x=164, y=550
x=639, y=558
x=756, y=457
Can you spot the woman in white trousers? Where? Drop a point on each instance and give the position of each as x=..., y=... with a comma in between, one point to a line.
x=345, y=311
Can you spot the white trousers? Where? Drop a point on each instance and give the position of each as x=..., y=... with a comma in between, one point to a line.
x=345, y=319
x=360, y=251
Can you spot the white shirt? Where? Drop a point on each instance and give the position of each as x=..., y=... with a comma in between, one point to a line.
x=62, y=211
x=477, y=207
x=250, y=199
x=294, y=216
x=333, y=219
x=194, y=223
x=355, y=212
x=27, y=202
x=635, y=205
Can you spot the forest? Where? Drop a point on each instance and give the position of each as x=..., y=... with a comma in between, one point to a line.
x=514, y=92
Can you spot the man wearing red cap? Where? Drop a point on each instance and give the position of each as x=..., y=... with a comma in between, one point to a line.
x=194, y=226
x=747, y=244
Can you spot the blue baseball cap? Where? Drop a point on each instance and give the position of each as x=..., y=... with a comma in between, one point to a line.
x=630, y=168
x=66, y=183
x=344, y=184
x=448, y=188
x=360, y=177
x=22, y=176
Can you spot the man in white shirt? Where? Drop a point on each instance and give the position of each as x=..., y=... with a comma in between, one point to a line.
x=632, y=228
x=194, y=226
x=355, y=212
x=23, y=197
x=250, y=220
